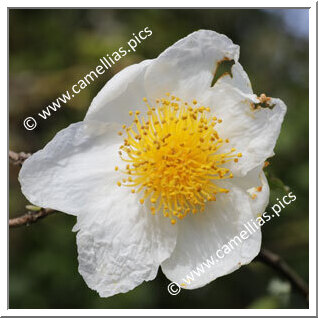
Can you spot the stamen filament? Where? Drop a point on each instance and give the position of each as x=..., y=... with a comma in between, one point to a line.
x=173, y=156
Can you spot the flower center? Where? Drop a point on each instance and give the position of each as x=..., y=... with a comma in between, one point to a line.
x=173, y=157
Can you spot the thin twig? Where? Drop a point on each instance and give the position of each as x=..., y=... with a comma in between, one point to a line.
x=277, y=263
x=30, y=217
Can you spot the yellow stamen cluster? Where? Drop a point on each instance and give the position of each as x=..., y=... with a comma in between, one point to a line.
x=173, y=156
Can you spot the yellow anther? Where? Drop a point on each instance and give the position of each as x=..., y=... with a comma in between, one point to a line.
x=120, y=133
x=130, y=113
x=173, y=155
x=116, y=168
x=144, y=99
x=119, y=183
x=239, y=155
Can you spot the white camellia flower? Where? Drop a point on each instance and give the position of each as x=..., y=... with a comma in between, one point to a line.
x=164, y=169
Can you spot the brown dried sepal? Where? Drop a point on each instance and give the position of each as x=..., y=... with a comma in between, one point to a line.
x=264, y=102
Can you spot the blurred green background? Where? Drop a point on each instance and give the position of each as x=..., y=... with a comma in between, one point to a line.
x=50, y=50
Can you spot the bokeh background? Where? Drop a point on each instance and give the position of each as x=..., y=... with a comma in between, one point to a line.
x=50, y=50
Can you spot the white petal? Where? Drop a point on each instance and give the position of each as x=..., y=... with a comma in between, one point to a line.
x=75, y=170
x=122, y=93
x=256, y=185
x=239, y=79
x=200, y=236
x=253, y=132
x=259, y=195
x=186, y=68
x=122, y=244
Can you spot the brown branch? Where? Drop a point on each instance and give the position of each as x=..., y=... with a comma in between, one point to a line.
x=276, y=262
x=18, y=158
x=30, y=217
